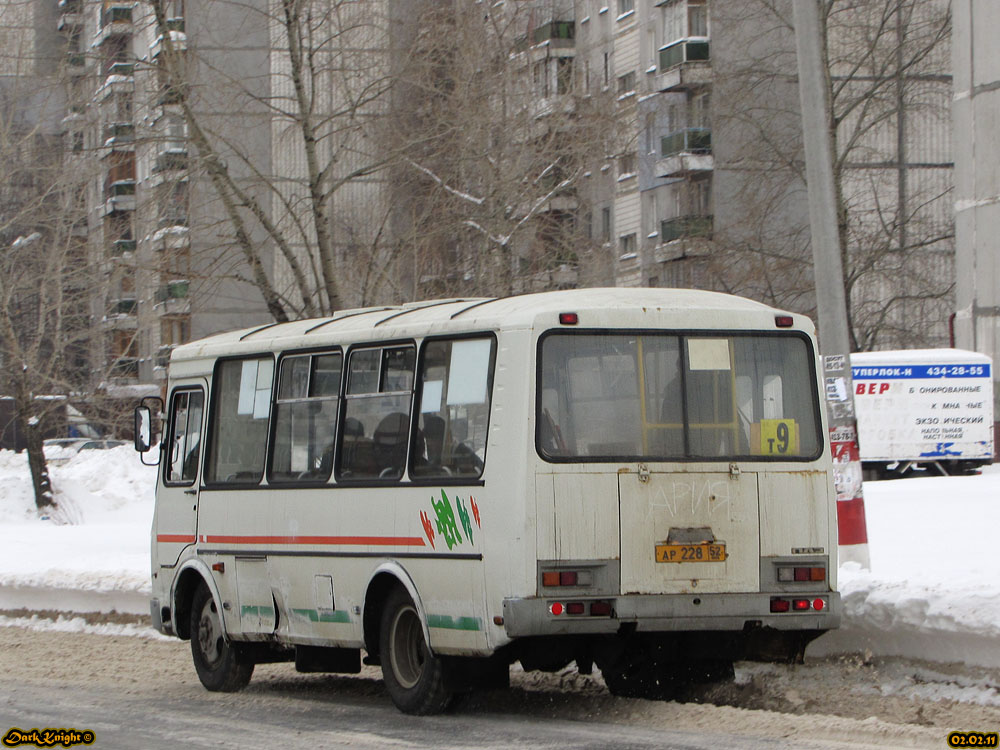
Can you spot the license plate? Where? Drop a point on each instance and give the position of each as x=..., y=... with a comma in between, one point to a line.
x=691, y=553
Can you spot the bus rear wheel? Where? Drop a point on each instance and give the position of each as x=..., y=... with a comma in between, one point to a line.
x=414, y=677
x=220, y=665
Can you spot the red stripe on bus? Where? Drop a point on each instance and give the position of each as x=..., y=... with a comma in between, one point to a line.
x=374, y=541
x=182, y=538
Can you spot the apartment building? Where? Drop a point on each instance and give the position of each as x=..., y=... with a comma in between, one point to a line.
x=706, y=187
x=164, y=282
x=977, y=184
x=696, y=180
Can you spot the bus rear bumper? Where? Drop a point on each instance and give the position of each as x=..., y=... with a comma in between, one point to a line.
x=537, y=616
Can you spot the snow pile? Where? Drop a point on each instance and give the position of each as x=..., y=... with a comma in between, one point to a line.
x=98, y=540
x=934, y=587
x=933, y=591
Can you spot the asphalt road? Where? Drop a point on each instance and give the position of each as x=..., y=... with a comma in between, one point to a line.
x=140, y=693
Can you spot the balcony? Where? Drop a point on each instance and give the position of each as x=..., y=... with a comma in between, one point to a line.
x=116, y=20
x=682, y=227
x=121, y=314
x=172, y=298
x=172, y=221
x=69, y=20
x=169, y=95
x=178, y=39
x=170, y=237
x=118, y=81
x=122, y=248
x=555, y=34
x=171, y=160
x=125, y=367
x=162, y=357
x=685, y=152
x=684, y=65
x=175, y=289
x=119, y=136
x=120, y=196
x=76, y=63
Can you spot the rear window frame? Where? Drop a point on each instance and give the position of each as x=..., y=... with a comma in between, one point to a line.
x=682, y=334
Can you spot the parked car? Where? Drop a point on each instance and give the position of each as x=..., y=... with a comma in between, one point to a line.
x=60, y=450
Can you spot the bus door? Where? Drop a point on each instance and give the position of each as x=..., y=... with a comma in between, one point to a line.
x=692, y=527
x=176, y=521
x=689, y=531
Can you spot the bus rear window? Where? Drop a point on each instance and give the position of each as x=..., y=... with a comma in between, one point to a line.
x=665, y=397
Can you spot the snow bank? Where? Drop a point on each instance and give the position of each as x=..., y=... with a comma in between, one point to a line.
x=98, y=541
x=933, y=591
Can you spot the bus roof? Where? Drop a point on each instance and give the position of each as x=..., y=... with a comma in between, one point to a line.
x=596, y=308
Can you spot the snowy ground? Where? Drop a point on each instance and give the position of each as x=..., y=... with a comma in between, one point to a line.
x=933, y=591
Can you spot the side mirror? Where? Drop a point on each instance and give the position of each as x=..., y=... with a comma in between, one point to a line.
x=143, y=428
x=143, y=421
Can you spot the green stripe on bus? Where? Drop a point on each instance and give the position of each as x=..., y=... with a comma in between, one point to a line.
x=448, y=622
x=327, y=615
x=257, y=611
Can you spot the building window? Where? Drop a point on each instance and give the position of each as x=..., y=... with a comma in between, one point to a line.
x=564, y=75
x=627, y=246
x=697, y=18
x=625, y=6
x=626, y=84
x=606, y=224
x=626, y=166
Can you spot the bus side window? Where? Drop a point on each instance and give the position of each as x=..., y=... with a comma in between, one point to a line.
x=305, y=417
x=456, y=382
x=377, y=413
x=241, y=406
x=185, y=437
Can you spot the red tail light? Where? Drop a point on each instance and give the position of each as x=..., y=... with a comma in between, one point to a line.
x=779, y=605
x=600, y=609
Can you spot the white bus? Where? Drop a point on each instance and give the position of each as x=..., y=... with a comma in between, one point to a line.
x=634, y=478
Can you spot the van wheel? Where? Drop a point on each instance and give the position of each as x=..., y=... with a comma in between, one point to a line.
x=220, y=664
x=414, y=677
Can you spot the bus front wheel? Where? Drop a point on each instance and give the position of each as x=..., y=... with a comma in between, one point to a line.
x=414, y=677
x=220, y=665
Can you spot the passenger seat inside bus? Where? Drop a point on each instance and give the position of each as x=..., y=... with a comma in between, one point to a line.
x=390, y=444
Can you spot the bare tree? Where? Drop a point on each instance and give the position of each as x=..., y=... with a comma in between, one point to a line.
x=889, y=92
x=311, y=224
x=418, y=148
x=45, y=326
x=507, y=135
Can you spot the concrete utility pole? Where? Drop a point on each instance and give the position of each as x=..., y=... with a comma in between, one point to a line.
x=831, y=302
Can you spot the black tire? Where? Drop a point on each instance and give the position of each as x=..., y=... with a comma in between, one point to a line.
x=220, y=664
x=414, y=677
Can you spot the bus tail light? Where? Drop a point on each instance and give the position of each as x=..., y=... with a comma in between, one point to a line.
x=569, y=318
x=553, y=578
x=600, y=609
x=784, y=321
x=779, y=605
x=788, y=574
